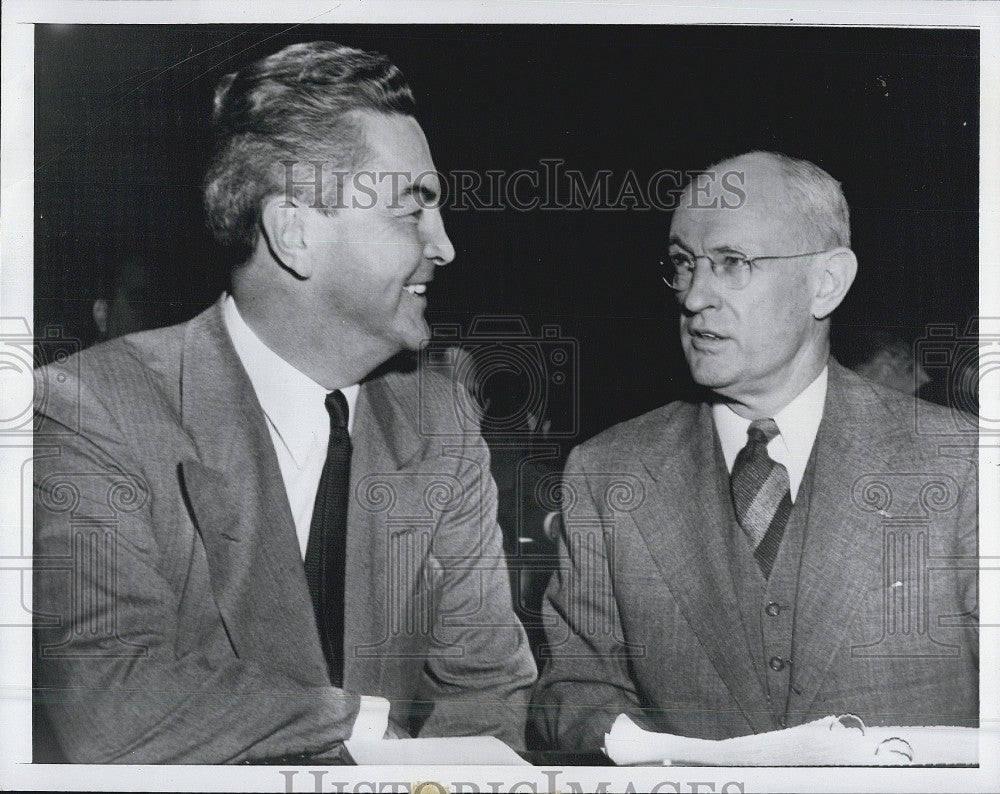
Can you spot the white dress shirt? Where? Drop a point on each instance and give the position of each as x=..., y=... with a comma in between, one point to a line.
x=798, y=423
x=296, y=416
x=294, y=405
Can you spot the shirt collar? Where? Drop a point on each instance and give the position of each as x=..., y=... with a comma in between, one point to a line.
x=798, y=423
x=292, y=401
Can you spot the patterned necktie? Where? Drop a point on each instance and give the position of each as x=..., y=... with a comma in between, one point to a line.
x=327, y=546
x=761, y=495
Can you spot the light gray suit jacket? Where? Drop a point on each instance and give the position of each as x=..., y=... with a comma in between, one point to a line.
x=643, y=612
x=173, y=621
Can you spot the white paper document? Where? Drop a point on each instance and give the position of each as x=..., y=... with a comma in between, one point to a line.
x=482, y=750
x=831, y=741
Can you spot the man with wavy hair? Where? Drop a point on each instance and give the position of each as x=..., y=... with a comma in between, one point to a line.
x=309, y=535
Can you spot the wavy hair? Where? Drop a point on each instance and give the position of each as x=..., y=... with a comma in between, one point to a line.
x=299, y=105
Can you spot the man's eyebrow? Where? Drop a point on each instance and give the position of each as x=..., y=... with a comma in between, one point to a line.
x=676, y=240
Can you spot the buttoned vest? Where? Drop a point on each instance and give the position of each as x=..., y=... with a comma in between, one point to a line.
x=767, y=606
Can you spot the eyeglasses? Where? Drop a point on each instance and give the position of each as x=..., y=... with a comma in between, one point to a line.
x=731, y=268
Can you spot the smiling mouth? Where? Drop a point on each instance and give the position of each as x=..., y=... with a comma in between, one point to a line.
x=706, y=335
x=416, y=289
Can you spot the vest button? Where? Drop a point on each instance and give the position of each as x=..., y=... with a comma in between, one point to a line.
x=773, y=609
x=776, y=663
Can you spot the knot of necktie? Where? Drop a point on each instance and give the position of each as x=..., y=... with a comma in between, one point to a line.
x=336, y=406
x=762, y=431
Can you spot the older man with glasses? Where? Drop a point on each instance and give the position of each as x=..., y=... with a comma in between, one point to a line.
x=789, y=547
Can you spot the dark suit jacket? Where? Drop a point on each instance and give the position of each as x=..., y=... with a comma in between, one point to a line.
x=643, y=614
x=173, y=621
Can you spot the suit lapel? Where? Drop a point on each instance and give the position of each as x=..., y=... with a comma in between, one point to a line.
x=235, y=492
x=384, y=554
x=842, y=551
x=683, y=523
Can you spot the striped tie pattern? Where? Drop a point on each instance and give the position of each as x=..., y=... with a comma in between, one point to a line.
x=761, y=494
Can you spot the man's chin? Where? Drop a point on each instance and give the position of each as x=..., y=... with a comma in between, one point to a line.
x=714, y=379
x=710, y=374
x=413, y=338
x=417, y=338
x=386, y=346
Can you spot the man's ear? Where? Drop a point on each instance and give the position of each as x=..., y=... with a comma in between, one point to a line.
x=101, y=311
x=836, y=270
x=283, y=225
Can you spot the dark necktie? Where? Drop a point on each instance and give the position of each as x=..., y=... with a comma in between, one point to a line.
x=761, y=494
x=327, y=547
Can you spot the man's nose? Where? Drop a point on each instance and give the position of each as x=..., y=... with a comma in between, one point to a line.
x=437, y=246
x=703, y=292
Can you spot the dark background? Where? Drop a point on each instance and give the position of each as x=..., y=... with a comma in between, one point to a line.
x=121, y=142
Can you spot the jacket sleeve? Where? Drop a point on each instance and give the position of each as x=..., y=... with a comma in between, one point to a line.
x=115, y=683
x=479, y=671
x=968, y=553
x=585, y=682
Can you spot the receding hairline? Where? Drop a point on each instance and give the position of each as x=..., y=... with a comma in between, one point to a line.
x=816, y=206
x=756, y=163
